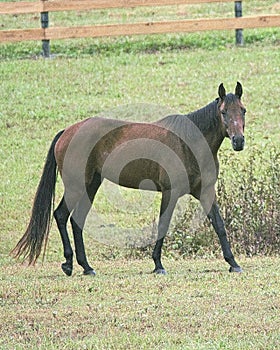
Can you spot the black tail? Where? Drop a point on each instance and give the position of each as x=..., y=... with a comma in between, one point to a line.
x=30, y=245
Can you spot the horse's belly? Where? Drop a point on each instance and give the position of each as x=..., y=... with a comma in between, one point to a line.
x=139, y=174
x=141, y=156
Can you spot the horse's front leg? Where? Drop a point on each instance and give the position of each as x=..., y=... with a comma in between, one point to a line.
x=215, y=218
x=168, y=202
x=218, y=223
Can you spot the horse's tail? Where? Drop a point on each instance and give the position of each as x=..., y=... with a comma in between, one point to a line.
x=30, y=245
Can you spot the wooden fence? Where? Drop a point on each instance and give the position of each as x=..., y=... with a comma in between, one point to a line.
x=191, y=25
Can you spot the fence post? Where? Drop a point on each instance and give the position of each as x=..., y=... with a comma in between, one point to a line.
x=45, y=43
x=238, y=32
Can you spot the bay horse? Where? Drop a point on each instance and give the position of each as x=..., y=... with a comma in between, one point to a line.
x=176, y=155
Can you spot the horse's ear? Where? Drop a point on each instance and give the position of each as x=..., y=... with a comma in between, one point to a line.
x=238, y=90
x=222, y=91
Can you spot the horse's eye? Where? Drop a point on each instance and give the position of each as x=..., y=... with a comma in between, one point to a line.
x=244, y=110
x=224, y=113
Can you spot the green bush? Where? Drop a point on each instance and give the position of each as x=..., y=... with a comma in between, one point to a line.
x=248, y=192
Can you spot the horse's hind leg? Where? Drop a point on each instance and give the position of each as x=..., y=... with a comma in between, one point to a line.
x=78, y=220
x=61, y=215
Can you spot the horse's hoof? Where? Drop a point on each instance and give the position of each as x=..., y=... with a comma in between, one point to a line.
x=67, y=269
x=235, y=269
x=160, y=272
x=90, y=272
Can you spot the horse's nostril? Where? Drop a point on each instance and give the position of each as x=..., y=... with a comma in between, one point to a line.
x=234, y=141
x=238, y=142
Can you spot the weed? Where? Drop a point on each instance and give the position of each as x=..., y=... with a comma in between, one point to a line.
x=248, y=193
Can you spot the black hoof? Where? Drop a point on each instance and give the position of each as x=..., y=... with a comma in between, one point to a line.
x=67, y=269
x=90, y=272
x=160, y=272
x=235, y=269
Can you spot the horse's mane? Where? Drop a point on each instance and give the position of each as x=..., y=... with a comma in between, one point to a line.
x=205, y=119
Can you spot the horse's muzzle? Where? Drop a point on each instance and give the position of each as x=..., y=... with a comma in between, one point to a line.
x=238, y=142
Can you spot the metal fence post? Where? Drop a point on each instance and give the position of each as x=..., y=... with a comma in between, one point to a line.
x=45, y=43
x=238, y=32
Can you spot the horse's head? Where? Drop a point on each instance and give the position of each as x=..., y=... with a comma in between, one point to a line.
x=232, y=113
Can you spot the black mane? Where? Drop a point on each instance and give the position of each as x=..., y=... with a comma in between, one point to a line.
x=205, y=119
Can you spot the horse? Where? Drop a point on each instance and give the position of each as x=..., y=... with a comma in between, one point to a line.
x=176, y=155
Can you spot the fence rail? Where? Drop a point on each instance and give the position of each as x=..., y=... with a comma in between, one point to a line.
x=138, y=28
x=191, y=25
x=72, y=5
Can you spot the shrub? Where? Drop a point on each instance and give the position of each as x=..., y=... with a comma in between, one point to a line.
x=248, y=192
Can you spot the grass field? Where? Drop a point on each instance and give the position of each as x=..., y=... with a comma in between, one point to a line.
x=198, y=305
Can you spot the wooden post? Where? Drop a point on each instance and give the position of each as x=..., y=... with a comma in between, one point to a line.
x=238, y=32
x=45, y=43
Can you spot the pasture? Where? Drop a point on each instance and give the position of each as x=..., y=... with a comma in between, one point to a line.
x=198, y=305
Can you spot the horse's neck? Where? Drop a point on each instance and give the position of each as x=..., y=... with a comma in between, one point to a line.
x=209, y=123
x=215, y=138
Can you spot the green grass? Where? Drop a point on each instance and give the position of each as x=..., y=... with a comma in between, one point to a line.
x=198, y=305
x=43, y=96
